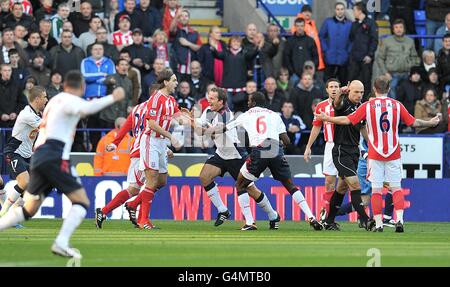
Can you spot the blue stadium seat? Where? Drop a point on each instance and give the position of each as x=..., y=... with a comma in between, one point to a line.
x=420, y=16
x=420, y=20
x=447, y=88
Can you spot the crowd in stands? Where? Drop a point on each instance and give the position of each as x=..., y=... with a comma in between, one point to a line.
x=129, y=42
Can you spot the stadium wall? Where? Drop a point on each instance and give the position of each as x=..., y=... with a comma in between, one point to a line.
x=184, y=199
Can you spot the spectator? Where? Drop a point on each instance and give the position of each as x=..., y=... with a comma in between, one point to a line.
x=19, y=33
x=444, y=29
x=432, y=83
x=185, y=46
x=113, y=163
x=334, y=39
x=119, y=109
x=235, y=72
x=302, y=97
x=212, y=68
x=184, y=96
x=248, y=43
x=283, y=83
x=311, y=31
x=27, y=6
x=171, y=13
x=428, y=108
x=17, y=17
x=203, y=102
x=19, y=72
x=110, y=14
x=34, y=46
x=242, y=106
x=4, y=12
x=58, y=20
x=81, y=20
x=396, y=55
x=196, y=81
x=30, y=83
x=67, y=26
x=299, y=49
x=443, y=62
x=151, y=20
x=101, y=37
x=404, y=9
x=318, y=83
x=428, y=62
x=364, y=40
x=150, y=79
x=160, y=47
x=274, y=97
x=66, y=56
x=38, y=70
x=123, y=37
x=55, y=87
x=8, y=43
x=135, y=77
x=90, y=36
x=48, y=42
x=95, y=69
x=133, y=14
x=262, y=64
x=436, y=10
x=13, y=101
x=273, y=36
x=410, y=91
x=46, y=11
x=294, y=125
x=142, y=56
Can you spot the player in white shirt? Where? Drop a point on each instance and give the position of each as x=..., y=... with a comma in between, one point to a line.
x=229, y=157
x=50, y=167
x=19, y=148
x=265, y=128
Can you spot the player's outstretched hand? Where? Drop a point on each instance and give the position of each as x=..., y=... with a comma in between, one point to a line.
x=111, y=147
x=307, y=154
x=118, y=94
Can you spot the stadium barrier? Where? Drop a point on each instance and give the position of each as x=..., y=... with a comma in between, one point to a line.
x=184, y=199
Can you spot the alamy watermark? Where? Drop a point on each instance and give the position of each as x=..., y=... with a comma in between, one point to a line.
x=374, y=6
x=375, y=257
x=74, y=5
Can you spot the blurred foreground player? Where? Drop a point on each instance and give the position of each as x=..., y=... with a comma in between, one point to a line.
x=383, y=117
x=50, y=167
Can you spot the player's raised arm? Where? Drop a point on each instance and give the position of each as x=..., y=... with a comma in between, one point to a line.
x=342, y=120
x=96, y=105
x=418, y=123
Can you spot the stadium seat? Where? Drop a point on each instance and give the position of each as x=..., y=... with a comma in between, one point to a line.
x=420, y=20
x=447, y=88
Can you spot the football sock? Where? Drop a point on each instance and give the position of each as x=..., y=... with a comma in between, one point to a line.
x=244, y=204
x=147, y=198
x=345, y=209
x=213, y=194
x=358, y=204
x=12, y=195
x=134, y=203
x=335, y=205
x=300, y=200
x=15, y=216
x=377, y=208
x=399, y=204
x=72, y=221
x=117, y=201
x=388, y=206
x=326, y=197
x=264, y=203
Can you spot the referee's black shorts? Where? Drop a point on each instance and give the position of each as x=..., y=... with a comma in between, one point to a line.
x=345, y=159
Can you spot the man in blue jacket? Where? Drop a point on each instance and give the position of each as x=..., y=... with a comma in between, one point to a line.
x=335, y=42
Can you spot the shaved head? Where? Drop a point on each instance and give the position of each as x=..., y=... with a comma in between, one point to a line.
x=356, y=92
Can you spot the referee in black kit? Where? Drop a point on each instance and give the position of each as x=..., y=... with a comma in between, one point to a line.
x=346, y=155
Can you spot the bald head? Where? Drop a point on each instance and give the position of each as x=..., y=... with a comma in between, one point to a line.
x=119, y=122
x=356, y=91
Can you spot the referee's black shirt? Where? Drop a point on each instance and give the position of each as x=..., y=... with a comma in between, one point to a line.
x=346, y=135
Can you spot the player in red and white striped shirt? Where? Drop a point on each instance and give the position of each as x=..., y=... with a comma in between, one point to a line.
x=329, y=170
x=383, y=116
x=161, y=109
x=135, y=123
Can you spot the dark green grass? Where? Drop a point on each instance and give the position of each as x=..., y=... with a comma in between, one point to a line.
x=199, y=243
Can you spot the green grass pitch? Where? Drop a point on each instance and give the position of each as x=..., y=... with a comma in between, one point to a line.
x=199, y=243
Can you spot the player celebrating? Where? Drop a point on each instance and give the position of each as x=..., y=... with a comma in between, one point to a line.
x=161, y=109
x=135, y=123
x=19, y=149
x=329, y=170
x=228, y=158
x=383, y=116
x=265, y=128
x=50, y=166
x=346, y=155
